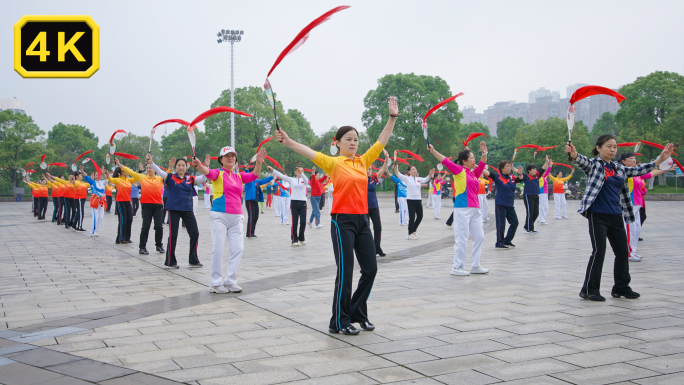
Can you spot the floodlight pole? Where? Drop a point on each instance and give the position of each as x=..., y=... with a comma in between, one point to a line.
x=231, y=36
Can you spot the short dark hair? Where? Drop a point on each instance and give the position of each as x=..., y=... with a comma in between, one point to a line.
x=117, y=172
x=530, y=167
x=463, y=156
x=600, y=142
x=625, y=156
x=558, y=172
x=180, y=160
x=409, y=168
x=503, y=164
x=343, y=130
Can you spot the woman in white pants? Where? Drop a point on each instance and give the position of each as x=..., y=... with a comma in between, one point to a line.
x=207, y=195
x=482, y=195
x=284, y=202
x=544, y=194
x=559, y=193
x=467, y=215
x=436, y=196
x=98, y=200
x=226, y=216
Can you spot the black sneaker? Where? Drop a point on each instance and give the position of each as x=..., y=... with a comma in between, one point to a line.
x=501, y=247
x=117, y=242
x=160, y=249
x=367, y=326
x=629, y=295
x=143, y=250
x=641, y=239
x=382, y=254
x=593, y=297
x=349, y=330
x=509, y=244
x=196, y=266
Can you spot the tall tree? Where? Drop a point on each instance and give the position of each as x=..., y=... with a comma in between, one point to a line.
x=415, y=94
x=20, y=143
x=67, y=141
x=605, y=125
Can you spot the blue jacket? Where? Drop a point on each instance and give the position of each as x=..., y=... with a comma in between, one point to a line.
x=94, y=187
x=261, y=194
x=401, y=187
x=250, y=188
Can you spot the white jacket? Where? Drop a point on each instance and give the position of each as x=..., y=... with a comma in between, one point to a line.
x=297, y=185
x=413, y=186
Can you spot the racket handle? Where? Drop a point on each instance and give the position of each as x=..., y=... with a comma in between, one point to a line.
x=569, y=157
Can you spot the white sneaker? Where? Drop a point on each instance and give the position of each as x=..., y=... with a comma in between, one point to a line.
x=311, y=224
x=234, y=288
x=564, y=217
x=634, y=259
x=416, y=235
x=218, y=290
x=286, y=223
x=295, y=244
x=95, y=235
x=544, y=223
x=459, y=271
x=303, y=243
x=436, y=218
x=319, y=226
x=412, y=237
x=478, y=270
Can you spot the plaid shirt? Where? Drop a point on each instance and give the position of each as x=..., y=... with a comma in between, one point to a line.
x=594, y=168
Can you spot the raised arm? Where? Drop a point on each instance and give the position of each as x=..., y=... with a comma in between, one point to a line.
x=383, y=168
x=389, y=127
x=154, y=166
x=259, y=161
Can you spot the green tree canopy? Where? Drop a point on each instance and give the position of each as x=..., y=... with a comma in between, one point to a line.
x=67, y=141
x=20, y=143
x=415, y=94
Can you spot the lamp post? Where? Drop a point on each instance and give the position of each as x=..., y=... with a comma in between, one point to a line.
x=231, y=36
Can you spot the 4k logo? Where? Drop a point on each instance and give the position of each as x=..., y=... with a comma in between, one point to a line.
x=56, y=47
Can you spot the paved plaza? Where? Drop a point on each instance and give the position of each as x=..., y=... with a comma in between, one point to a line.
x=79, y=310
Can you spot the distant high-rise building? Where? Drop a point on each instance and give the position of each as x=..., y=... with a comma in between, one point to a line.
x=569, y=90
x=542, y=92
x=12, y=104
x=470, y=116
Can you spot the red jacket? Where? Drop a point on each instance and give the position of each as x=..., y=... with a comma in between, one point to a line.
x=316, y=186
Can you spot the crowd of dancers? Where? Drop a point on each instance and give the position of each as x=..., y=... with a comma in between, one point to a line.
x=613, y=203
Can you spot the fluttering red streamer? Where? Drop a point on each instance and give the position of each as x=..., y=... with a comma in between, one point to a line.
x=375, y=168
x=303, y=35
x=636, y=153
x=495, y=169
x=400, y=160
x=262, y=143
x=275, y=163
x=679, y=165
x=472, y=136
x=381, y=160
x=29, y=165
x=181, y=121
x=97, y=168
x=656, y=145
x=627, y=144
x=42, y=158
x=58, y=164
x=81, y=156
x=214, y=157
x=440, y=104
x=111, y=140
x=215, y=111
x=30, y=171
x=587, y=91
x=124, y=155
x=418, y=157
x=546, y=148
x=558, y=164
x=308, y=170
x=529, y=146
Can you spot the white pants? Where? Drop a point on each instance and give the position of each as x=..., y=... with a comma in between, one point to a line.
x=544, y=207
x=276, y=205
x=403, y=211
x=195, y=199
x=484, y=206
x=467, y=221
x=98, y=214
x=207, y=201
x=436, y=204
x=225, y=225
x=284, y=209
x=428, y=201
x=634, y=231
x=559, y=201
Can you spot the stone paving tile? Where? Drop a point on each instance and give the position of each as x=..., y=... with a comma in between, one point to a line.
x=607, y=374
x=516, y=371
x=602, y=357
x=450, y=365
x=260, y=378
x=665, y=364
x=88, y=370
x=531, y=353
x=340, y=379
x=466, y=348
x=660, y=348
x=601, y=342
x=403, y=345
x=22, y=374
x=467, y=377
x=409, y=357
x=670, y=379
x=198, y=374
x=392, y=374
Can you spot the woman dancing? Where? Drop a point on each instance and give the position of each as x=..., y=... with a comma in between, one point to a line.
x=559, y=193
x=350, y=231
x=122, y=182
x=608, y=206
x=226, y=216
x=414, y=199
x=297, y=202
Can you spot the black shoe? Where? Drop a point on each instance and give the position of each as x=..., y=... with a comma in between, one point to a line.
x=501, y=247
x=196, y=266
x=117, y=242
x=349, y=330
x=509, y=244
x=629, y=295
x=80, y=230
x=640, y=239
x=160, y=249
x=367, y=326
x=396, y=211
x=593, y=297
x=143, y=250
x=382, y=254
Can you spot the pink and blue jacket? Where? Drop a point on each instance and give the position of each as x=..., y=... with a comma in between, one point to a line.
x=466, y=184
x=227, y=187
x=544, y=183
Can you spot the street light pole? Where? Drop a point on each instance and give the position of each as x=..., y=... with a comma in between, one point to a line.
x=231, y=36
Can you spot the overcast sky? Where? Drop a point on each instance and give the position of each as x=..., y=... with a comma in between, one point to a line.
x=160, y=59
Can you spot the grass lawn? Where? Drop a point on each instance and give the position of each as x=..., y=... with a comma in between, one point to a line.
x=666, y=190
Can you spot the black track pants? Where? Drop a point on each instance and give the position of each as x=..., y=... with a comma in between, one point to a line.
x=415, y=209
x=152, y=211
x=611, y=227
x=374, y=215
x=252, y=216
x=501, y=215
x=125, y=214
x=298, y=211
x=351, y=235
x=532, y=208
x=193, y=232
